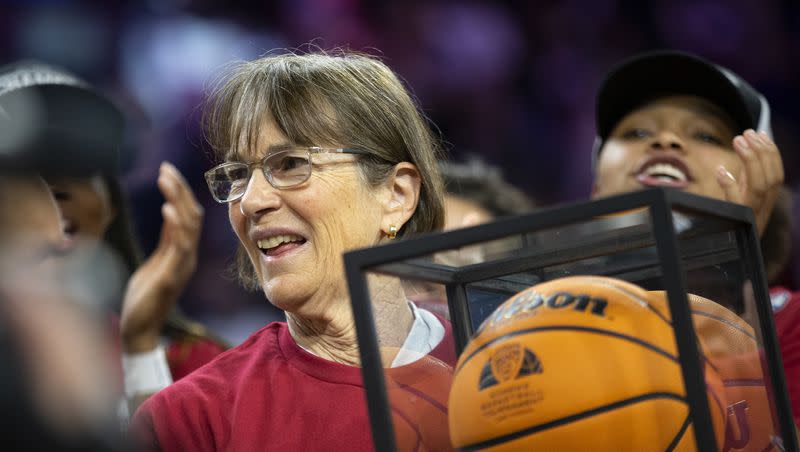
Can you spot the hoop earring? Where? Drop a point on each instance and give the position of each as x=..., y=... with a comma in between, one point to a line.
x=392, y=232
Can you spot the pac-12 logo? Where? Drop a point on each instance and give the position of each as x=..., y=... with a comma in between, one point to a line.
x=509, y=362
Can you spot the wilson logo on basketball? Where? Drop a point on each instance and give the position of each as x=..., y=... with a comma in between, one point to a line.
x=529, y=301
x=511, y=361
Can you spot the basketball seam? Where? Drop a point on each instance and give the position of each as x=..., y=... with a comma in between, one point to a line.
x=413, y=426
x=570, y=328
x=726, y=322
x=424, y=396
x=572, y=418
x=674, y=443
x=744, y=382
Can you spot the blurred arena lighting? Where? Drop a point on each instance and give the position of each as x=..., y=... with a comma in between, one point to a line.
x=476, y=45
x=69, y=35
x=167, y=63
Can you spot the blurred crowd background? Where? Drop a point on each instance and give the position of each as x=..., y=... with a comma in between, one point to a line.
x=510, y=81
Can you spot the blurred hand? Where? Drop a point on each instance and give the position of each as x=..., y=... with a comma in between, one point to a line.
x=155, y=287
x=761, y=178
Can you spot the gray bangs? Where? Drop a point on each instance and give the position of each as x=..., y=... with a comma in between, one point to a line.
x=258, y=91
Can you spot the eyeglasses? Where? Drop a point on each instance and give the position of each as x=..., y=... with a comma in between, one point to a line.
x=283, y=169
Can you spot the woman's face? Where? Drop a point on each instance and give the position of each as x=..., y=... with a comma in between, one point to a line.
x=32, y=240
x=676, y=141
x=295, y=237
x=85, y=206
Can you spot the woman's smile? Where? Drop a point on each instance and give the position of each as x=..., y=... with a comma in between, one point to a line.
x=664, y=171
x=279, y=245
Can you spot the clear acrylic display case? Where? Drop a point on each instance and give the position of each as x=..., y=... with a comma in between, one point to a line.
x=659, y=239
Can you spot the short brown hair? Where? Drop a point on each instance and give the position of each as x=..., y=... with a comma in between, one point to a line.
x=341, y=97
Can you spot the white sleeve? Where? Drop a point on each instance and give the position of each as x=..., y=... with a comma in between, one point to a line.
x=146, y=373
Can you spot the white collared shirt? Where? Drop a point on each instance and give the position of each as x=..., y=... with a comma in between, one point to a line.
x=426, y=333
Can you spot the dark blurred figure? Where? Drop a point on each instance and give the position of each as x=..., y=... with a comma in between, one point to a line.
x=95, y=216
x=56, y=374
x=56, y=124
x=477, y=192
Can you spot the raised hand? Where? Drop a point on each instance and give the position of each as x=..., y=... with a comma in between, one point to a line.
x=759, y=183
x=155, y=287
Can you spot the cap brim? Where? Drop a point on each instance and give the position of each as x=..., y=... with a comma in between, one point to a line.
x=59, y=129
x=649, y=76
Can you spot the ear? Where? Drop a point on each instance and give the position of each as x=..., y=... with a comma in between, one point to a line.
x=401, y=196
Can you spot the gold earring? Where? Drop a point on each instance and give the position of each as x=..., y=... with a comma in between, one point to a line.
x=392, y=232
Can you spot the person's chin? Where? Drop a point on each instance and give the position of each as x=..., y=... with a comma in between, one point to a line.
x=284, y=290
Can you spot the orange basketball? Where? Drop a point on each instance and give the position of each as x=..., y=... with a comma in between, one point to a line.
x=418, y=399
x=730, y=345
x=577, y=363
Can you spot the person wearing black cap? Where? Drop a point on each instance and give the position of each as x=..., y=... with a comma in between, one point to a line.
x=672, y=119
x=53, y=117
x=55, y=388
x=752, y=175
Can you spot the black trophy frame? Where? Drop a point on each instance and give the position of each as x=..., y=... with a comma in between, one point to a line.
x=391, y=258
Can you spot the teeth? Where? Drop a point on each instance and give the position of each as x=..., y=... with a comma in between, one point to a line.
x=665, y=169
x=272, y=242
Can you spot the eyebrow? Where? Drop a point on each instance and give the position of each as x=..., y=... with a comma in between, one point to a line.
x=711, y=110
x=706, y=110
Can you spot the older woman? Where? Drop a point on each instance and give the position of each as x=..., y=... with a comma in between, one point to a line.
x=323, y=154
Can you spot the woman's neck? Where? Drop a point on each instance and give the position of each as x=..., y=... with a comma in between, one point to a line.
x=332, y=335
x=329, y=338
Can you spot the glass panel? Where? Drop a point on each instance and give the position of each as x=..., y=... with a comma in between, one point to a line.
x=586, y=359
x=719, y=275
x=563, y=338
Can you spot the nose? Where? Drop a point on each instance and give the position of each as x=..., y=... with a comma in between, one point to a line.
x=259, y=197
x=667, y=140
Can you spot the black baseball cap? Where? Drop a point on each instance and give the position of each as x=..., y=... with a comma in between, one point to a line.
x=651, y=75
x=53, y=122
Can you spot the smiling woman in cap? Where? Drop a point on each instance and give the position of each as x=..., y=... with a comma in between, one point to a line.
x=672, y=119
x=640, y=96
x=676, y=120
